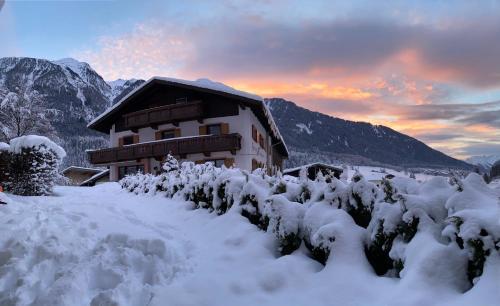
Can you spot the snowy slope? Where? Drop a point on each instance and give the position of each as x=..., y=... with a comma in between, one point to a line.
x=485, y=161
x=102, y=246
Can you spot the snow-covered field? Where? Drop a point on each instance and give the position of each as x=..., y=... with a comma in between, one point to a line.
x=105, y=246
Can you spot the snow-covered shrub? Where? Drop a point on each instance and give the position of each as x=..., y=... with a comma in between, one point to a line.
x=335, y=193
x=252, y=200
x=284, y=219
x=362, y=196
x=394, y=223
x=227, y=189
x=33, y=165
x=473, y=223
x=321, y=226
x=170, y=164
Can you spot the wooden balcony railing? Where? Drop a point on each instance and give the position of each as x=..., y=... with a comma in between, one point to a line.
x=160, y=115
x=176, y=146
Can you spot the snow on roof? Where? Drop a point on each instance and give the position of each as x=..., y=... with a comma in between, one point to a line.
x=311, y=165
x=84, y=169
x=4, y=146
x=31, y=141
x=207, y=84
x=95, y=177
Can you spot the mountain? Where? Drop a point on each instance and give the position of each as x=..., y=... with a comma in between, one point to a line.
x=70, y=89
x=76, y=94
x=484, y=162
x=313, y=136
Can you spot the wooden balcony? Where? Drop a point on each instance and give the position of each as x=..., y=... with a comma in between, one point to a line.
x=176, y=146
x=153, y=117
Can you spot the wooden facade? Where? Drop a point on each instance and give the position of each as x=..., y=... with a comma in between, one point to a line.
x=152, y=117
x=175, y=146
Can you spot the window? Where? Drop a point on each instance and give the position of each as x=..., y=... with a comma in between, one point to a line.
x=214, y=129
x=261, y=141
x=126, y=170
x=168, y=134
x=181, y=100
x=254, y=133
x=128, y=140
x=217, y=162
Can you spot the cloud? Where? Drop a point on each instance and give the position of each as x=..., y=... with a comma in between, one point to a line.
x=148, y=50
x=400, y=72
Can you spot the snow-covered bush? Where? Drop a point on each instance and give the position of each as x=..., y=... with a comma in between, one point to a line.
x=362, y=196
x=252, y=200
x=394, y=223
x=474, y=222
x=33, y=165
x=284, y=219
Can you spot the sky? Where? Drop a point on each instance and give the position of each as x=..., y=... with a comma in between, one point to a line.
x=429, y=69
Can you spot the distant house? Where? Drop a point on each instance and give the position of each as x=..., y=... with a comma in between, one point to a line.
x=199, y=121
x=99, y=178
x=495, y=170
x=313, y=170
x=77, y=175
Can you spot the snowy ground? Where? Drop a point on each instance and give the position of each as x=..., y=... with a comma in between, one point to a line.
x=377, y=173
x=93, y=246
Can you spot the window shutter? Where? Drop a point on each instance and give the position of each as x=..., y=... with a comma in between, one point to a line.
x=158, y=135
x=136, y=138
x=199, y=162
x=229, y=162
x=254, y=133
x=177, y=132
x=224, y=128
x=120, y=142
x=254, y=164
x=203, y=130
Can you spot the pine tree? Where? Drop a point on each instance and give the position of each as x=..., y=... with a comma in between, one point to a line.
x=170, y=164
x=33, y=171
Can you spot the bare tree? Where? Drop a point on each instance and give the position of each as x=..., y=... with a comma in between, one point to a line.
x=22, y=113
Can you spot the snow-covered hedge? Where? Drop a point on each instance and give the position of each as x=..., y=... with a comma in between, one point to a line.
x=401, y=223
x=32, y=164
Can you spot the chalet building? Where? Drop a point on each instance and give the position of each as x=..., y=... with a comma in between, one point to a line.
x=197, y=121
x=78, y=175
x=313, y=170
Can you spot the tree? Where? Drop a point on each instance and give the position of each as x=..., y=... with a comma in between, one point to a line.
x=22, y=113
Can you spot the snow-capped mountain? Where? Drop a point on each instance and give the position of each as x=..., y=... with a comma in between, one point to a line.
x=485, y=161
x=70, y=89
x=120, y=88
x=313, y=136
x=77, y=94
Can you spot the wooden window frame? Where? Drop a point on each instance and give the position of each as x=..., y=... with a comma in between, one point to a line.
x=223, y=127
x=262, y=142
x=255, y=133
x=137, y=167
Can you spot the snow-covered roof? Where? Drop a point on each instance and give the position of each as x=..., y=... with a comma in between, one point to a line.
x=81, y=169
x=311, y=165
x=33, y=141
x=95, y=177
x=4, y=146
x=205, y=84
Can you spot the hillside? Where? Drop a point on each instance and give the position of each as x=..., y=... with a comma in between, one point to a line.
x=313, y=134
